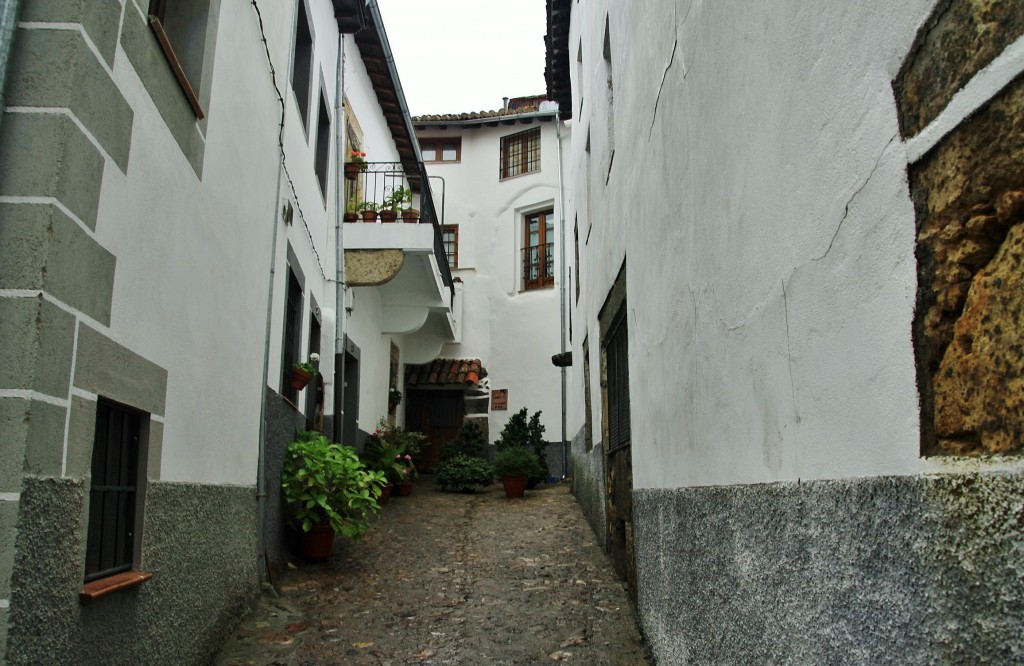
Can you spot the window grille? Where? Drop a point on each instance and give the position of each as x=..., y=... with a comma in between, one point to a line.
x=110, y=542
x=520, y=153
x=617, y=359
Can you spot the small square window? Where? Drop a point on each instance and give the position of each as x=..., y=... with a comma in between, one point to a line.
x=520, y=153
x=441, y=149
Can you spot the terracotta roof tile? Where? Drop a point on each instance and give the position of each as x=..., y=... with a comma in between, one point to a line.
x=443, y=371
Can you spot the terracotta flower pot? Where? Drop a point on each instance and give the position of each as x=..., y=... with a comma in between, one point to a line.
x=405, y=488
x=388, y=215
x=351, y=217
x=369, y=216
x=317, y=543
x=515, y=486
x=410, y=216
x=352, y=170
x=299, y=379
x=385, y=494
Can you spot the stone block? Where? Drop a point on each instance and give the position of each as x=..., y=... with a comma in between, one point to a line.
x=100, y=18
x=44, y=444
x=106, y=368
x=36, y=341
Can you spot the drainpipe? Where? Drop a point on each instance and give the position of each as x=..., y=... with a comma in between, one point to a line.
x=340, y=315
x=561, y=291
x=261, y=480
x=8, y=24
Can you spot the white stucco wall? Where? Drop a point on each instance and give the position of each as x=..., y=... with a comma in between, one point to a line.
x=514, y=332
x=759, y=197
x=193, y=257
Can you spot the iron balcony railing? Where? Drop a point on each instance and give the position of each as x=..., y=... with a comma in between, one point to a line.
x=539, y=266
x=383, y=187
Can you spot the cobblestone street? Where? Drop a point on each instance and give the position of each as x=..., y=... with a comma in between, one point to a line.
x=444, y=578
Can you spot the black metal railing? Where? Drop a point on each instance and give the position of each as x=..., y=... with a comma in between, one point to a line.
x=383, y=192
x=539, y=266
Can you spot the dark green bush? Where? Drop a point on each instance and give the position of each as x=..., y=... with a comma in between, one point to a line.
x=518, y=461
x=463, y=473
x=470, y=442
x=528, y=434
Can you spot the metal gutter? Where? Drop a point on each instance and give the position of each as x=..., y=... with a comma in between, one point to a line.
x=488, y=120
x=561, y=290
x=340, y=315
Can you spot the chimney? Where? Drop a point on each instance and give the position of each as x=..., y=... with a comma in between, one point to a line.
x=504, y=103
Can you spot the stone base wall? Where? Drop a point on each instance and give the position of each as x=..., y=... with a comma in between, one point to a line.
x=282, y=421
x=589, y=487
x=900, y=570
x=199, y=542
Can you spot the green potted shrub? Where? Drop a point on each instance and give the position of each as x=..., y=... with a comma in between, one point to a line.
x=464, y=474
x=527, y=433
x=328, y=491
x=471, y=441
x=352, y=208
x=515, y=465
x=303, y=373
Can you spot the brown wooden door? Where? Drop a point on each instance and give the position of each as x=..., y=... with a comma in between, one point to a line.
x=439, y=416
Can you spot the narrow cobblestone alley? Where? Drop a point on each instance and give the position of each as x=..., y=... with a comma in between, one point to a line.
x=444, y=578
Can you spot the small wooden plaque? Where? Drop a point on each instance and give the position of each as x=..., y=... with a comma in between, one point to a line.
x=499, y=399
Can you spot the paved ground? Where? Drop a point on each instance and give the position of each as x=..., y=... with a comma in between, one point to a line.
x=446, y=578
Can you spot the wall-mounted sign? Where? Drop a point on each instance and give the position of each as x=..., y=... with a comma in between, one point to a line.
x=499, y=399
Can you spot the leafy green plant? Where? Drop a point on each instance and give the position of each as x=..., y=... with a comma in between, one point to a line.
x=394, y=396
x=394, y=450
x=309, y=366
x=401, y=195
x=528, y=433
x=470, y=441
x=517, y=461
x=380, y=456
x=325, y=483
x=372, y=206
x=464, y=474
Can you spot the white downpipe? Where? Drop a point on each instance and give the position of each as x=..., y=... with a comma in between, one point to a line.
x=340, y=315
x=561, y=291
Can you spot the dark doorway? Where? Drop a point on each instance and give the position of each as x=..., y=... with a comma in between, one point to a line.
x=315, y=390
x=439, y=416
x=350, y=429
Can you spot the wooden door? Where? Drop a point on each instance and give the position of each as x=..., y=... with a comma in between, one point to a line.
x=439, y=416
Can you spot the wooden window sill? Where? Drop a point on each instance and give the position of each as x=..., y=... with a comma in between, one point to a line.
x=100, y=588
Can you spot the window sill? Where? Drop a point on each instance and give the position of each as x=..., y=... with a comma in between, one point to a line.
x=93, y=590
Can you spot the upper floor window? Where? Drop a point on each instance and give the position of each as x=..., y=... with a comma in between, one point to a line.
x=539, y=250
x=441, y=150
x=450, y=237
x=323, y=146
x=520, y=153
x=302, y=64
x=180, y=27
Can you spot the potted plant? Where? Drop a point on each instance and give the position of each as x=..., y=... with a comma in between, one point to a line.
x=410, y=215
x=356, y=163
x=379, y=455
x=393, y=203
x=369, y=210
x=515, y=465
x=303, y=372
x=329, y=492
x=407, y=474
x=352, y=209
x=394, y=398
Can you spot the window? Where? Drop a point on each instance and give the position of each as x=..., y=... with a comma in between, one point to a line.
x=302, y=64
x=450, y=237
x=539, y=250
x=292, y=336
x=114, y=495
x=441, y=150
x=323, y=146
x=180, y=27
x=520, y=153
x=617, y=368
x=576, y=242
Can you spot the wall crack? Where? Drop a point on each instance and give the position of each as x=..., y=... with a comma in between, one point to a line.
x=846, y=210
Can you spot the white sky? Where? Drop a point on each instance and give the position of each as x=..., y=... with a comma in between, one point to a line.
x=456, y=56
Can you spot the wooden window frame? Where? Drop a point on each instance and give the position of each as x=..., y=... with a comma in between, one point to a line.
x=519, y=154
x=291, y=352
x=453, y=259
x=545, y=274
x=438, y=146
x=302, y=66
x=322, y=152
x=157, y=16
